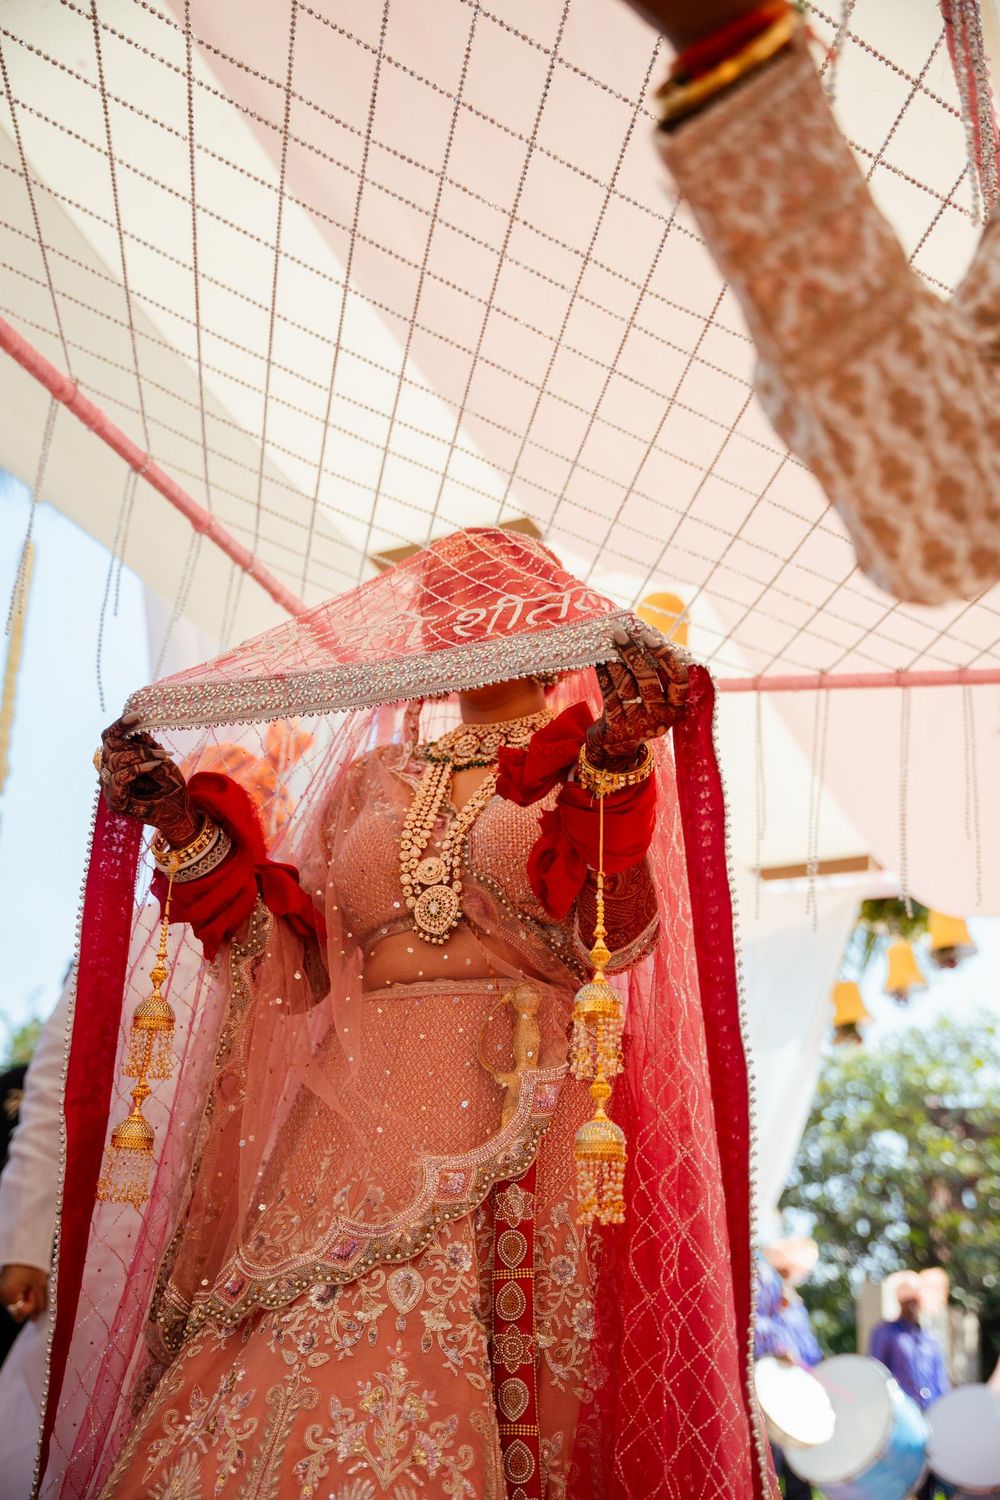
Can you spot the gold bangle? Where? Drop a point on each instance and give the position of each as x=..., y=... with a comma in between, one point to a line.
x=217, y=852
x=602, y=783
x=675, y=100
x=178, y=859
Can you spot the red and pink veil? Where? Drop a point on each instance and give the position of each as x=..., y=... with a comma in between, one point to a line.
x=288, y=714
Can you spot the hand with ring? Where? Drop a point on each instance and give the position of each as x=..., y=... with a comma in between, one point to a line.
x=24, y=1291
x=644, y=688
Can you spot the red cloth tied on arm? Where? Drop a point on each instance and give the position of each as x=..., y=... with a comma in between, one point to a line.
x=217, y=904
x=568, y=844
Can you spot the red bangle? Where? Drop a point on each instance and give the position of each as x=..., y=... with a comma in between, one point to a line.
x=704, y=55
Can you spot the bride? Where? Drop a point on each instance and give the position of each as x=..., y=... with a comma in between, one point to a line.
x=388, y=1248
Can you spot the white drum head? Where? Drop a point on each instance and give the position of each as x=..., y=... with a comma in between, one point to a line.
x=965, y=1438
x=796, y=1408
x=858, y=1389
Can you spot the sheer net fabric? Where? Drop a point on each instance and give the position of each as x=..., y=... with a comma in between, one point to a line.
x=483, y=605
x=282, y=1098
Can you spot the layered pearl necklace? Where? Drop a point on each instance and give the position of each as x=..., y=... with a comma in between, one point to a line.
x=432, y=883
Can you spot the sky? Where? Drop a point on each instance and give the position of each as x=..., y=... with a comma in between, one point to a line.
x=46, y=805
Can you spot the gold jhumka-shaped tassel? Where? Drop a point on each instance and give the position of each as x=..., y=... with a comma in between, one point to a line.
x=596, y=1057
x=596, y=1042
x=128, y=1160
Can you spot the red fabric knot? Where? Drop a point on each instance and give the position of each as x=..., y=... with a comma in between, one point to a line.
x=568, y=842
x=527, y=775
x=219, y=903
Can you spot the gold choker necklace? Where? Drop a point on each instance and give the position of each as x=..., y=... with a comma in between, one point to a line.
x=432, y=884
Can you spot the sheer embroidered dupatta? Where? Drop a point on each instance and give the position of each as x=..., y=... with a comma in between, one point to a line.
x=671, y=1379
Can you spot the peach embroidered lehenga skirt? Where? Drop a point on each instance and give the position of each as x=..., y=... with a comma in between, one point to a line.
x=383, y=1387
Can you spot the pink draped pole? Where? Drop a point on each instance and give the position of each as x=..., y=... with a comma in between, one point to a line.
x=67, y=391
x=63, y=389
x=813, y=682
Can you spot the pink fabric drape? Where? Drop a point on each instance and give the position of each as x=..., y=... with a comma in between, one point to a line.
x=100, y=982
x=671, y=1354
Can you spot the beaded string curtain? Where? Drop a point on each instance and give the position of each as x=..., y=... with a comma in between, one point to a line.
x=356, y=274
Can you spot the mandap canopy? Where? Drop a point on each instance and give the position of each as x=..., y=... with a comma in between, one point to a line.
x=350, y=274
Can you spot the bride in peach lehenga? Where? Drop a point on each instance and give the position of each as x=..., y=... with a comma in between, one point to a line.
x=361, y=1269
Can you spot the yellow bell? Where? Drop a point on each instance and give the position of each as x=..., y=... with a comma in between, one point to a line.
x=904, y=974
x=665, y=612
x=849, y=1011
x=950, y=938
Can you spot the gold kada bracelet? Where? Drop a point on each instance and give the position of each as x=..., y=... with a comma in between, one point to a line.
x=676, y=99
x=602, y=783
x=190, y=854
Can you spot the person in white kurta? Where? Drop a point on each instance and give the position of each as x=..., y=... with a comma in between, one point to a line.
x=29, y=1189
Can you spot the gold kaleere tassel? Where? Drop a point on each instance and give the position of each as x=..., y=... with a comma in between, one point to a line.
x=596, y=1042
x=128, y=1160
x=595, y=1054
x=151, y=1041
x=600, y=1154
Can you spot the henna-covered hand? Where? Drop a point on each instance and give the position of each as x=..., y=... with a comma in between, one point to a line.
x=140, y=780
x=644, y=691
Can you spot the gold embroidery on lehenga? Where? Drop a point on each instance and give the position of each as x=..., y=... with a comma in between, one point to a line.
x=391, y=1432
x=217, y=1422
x=563, y=1309
x=293, y=1395
x=444, y=1288
x=181, y=1482
x=555, y=1465
x=229, y=1435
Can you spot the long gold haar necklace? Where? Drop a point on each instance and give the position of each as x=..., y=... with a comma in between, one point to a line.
x=432, y=883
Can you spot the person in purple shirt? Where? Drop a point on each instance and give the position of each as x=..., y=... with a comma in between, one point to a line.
x=783, y=1328
x=913, y=1356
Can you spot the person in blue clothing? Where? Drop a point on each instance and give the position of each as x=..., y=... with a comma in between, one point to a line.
x=783, y=1328
x=914, y=1357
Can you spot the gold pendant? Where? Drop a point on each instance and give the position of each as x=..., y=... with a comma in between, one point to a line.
x=437, y=911
x=430, y=871
x=437, y=908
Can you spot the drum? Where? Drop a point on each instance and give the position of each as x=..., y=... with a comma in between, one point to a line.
x=879, y=1446
x=796, y=1409
x=965, y=1439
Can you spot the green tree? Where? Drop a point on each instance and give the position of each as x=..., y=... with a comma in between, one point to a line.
x=21, y=1042
x=900, y=1166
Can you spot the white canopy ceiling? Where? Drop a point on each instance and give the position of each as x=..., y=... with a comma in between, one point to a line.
x=531, y=328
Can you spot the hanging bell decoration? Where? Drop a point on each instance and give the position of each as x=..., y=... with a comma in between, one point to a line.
x=951, y=940
x=128, y=1159
x=596, y=1056
x=904, y=974
x=849, y=1012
